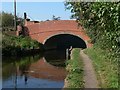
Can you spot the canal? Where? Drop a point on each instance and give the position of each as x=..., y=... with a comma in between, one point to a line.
x=44, y=70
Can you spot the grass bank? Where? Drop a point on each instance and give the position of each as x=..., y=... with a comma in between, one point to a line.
x=106, y=69
x=74, y=66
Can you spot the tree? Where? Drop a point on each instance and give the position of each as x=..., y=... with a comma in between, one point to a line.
x=55, y=18
x=8, y=20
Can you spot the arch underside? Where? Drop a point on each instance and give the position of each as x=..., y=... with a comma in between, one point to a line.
x=63, y=41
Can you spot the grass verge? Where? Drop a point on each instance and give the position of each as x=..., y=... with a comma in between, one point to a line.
x=106, y=70
x=74, y=67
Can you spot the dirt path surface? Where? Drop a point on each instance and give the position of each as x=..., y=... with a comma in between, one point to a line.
x=89, y=74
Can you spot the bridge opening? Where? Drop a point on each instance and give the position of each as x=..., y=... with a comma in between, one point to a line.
x=64, y=41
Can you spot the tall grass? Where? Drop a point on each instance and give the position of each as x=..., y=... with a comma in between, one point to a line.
x=75, y=70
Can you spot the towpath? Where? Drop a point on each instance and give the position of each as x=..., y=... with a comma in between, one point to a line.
x=89, y=73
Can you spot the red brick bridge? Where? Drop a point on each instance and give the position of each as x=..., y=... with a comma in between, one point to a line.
x=58, y=33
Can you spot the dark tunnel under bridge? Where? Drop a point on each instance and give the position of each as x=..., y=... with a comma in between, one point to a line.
x=64, y=41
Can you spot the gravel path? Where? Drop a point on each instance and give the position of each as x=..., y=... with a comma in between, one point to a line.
x=89, y=73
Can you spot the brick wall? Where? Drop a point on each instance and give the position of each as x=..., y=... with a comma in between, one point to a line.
x=41, y=31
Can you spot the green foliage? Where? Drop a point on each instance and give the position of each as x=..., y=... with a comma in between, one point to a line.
x=75, y=70
x=8, y=21
x=101, y=21
x=23, y=42
x=13, y=44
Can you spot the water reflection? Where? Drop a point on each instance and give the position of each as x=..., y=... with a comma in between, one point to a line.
x=56, y=58
x=34, y=71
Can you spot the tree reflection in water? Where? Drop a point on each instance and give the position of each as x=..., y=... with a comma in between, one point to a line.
x=26, y=70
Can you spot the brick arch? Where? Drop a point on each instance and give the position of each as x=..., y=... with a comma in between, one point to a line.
x=65, y=41
x=41, y=31
x=63, y=34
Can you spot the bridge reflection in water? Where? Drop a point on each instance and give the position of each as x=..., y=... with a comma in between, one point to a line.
x=35, y=71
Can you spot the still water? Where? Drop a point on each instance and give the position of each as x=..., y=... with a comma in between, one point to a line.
x=39, y=71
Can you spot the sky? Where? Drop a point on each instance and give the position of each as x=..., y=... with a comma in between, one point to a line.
x=38, y=10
